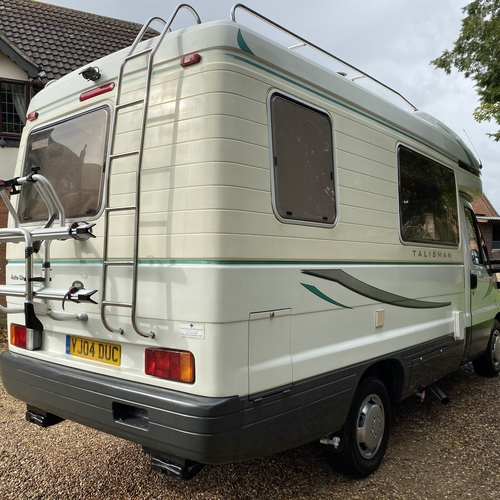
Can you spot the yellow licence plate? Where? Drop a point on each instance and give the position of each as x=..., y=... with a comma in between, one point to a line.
x=95, y=350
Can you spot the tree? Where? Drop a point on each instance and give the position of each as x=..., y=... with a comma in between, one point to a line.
x=476, y=54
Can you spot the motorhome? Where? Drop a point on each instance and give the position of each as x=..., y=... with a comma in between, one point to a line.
x=219, y=249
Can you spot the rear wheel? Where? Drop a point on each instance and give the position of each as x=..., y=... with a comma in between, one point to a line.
x=488, y=365
x=367, y=429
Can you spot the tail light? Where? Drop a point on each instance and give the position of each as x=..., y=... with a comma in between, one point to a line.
x=25, y=338
x=169, y=364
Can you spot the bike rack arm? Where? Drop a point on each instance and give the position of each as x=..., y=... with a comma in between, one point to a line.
x=48, y=196
x=9, y=206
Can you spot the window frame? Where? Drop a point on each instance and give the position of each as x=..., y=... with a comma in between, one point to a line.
x=26, y=85
x=104, y=178
x=423, y=243
x=297, y=221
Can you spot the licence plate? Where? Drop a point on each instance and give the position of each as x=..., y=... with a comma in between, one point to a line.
x=94, y=350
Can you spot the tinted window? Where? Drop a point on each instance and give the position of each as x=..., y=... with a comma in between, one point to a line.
x=303, y=162
x=474, y=246
x=72, y=156
x=427, y=200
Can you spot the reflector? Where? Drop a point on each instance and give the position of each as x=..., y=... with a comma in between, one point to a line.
x=190, y=59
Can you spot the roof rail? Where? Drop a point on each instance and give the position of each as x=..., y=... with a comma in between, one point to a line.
x=303, y=42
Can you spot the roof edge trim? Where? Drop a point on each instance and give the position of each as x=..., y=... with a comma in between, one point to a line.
x=18, y=57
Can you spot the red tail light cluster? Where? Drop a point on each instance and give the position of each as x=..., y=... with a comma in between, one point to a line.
x=170, y=364
x=25, y=338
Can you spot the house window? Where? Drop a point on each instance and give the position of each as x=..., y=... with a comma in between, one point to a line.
x=427, y=200
x=302, y=149
x=13, y=101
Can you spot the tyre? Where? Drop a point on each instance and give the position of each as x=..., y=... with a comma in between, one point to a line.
x=367, y=429
x=488, y=364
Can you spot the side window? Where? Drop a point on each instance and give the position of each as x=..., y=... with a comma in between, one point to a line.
x=302, y=149
x=474, y=240
x=427, y=200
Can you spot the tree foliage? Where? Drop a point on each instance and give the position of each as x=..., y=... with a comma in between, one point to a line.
x=476, y=54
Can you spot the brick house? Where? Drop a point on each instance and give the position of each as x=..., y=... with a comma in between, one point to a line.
x=489, y=223
x=40, y=42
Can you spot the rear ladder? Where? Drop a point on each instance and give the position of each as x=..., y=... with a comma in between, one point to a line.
x=133, y=261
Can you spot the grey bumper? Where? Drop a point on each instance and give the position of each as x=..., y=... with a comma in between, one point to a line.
x=203, y=429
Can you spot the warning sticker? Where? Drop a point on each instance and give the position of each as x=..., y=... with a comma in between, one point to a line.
x=193, y=330
x=43, y=143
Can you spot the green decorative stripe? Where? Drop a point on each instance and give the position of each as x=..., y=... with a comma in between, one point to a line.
x=213, y=262
x=371, y=292
x=242, y=44
x=60, y=105
x=321, y=295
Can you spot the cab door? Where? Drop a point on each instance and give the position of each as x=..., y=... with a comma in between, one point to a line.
x=480, y=289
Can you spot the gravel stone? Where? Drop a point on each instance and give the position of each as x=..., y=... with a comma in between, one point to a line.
x=435, y=452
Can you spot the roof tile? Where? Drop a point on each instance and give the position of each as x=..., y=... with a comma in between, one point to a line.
x=483, y=206
x=41, y=30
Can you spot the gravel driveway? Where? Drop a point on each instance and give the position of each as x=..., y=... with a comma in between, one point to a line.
x=435, y=452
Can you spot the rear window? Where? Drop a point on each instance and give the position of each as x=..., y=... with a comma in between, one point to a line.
x=72, y=155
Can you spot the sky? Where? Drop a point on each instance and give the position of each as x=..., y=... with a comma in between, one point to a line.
x=391, y=40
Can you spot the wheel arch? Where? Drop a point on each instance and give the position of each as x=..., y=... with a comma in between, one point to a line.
x=391, y=373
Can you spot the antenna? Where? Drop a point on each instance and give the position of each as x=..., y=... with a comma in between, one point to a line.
x=475, y=151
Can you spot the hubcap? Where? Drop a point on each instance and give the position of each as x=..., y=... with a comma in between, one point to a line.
x=371, y=425
x=495, y=347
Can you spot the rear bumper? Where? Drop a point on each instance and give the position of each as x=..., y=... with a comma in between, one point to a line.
x=203, y=429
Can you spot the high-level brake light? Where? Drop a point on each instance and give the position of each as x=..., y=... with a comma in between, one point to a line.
x=89, y=94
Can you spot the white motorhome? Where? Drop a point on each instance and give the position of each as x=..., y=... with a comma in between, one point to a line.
x=224, y=249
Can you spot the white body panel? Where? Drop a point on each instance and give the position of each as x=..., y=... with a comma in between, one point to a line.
x=212, y=251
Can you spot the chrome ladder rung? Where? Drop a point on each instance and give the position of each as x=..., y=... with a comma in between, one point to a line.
x=122, y=208
x=115, y=263
x=129, y=103
x=110, y=303
x=124, y=154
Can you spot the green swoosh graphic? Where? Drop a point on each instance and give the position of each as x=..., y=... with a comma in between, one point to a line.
x=321, y=295
x=490, y=289
x=243, y=45
x=366, y=290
